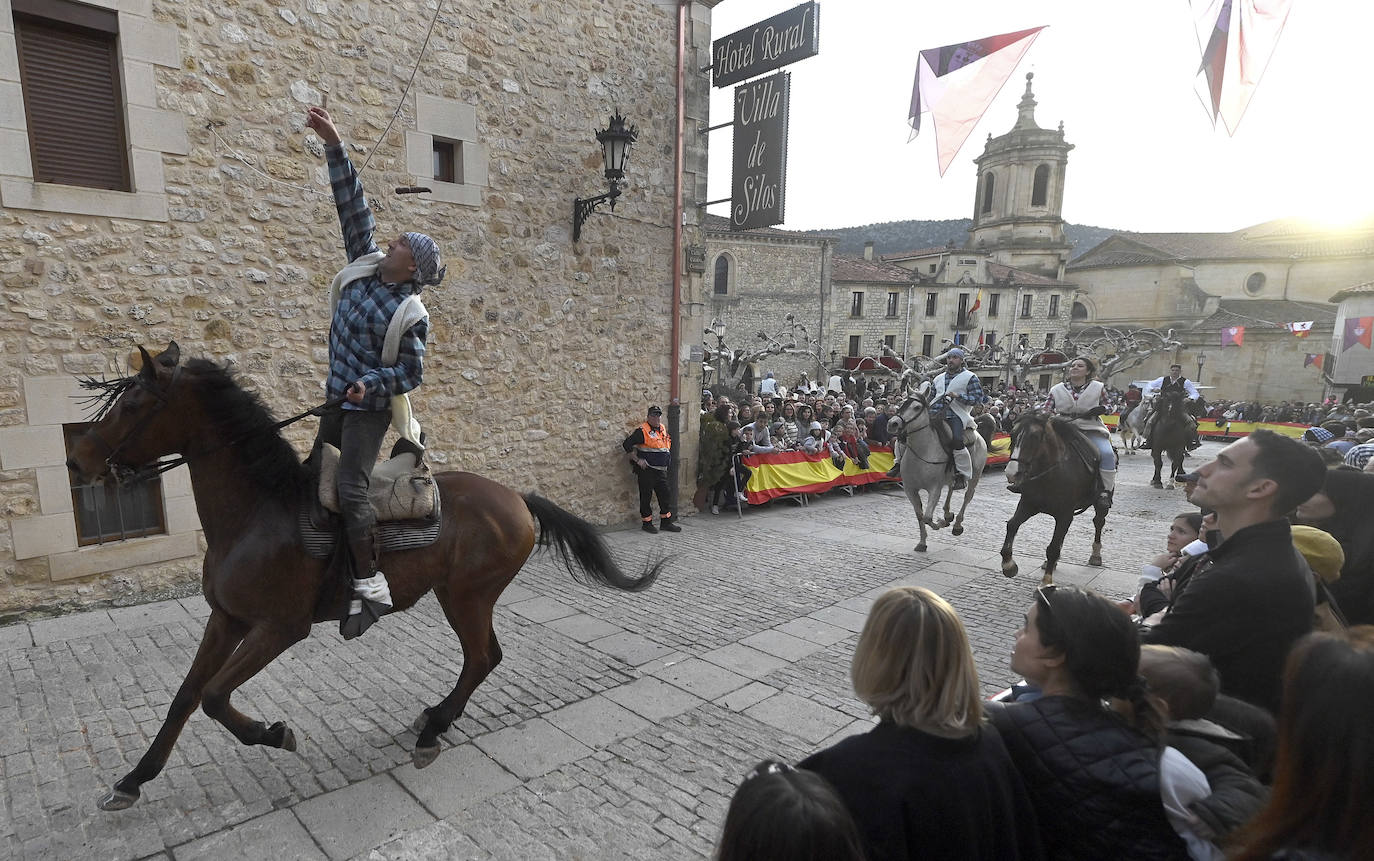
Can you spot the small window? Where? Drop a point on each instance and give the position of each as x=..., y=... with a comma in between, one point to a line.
x=994, y=300
x=1040, y=189
x=1044, y=382
x=447, y=164
x=927, y=345
x=890, y=342
x=1054, y=306
x=854, y=344
x=930, y=303
x=990, y=339
x=856, y=305
x=720, y=283
x=1254, y=285
x=892, y=300
x=69, y=73
x=1026, y=302
x=959, y=338
x=113, y=512
x=968, y=261
x=1049, y=340
x=987, y=194
x=932, y=269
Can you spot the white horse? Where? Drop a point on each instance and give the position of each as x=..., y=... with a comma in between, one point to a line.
x=926, y=464
x=1133, y=429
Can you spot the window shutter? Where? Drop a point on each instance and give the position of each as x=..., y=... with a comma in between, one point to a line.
x=75, y=110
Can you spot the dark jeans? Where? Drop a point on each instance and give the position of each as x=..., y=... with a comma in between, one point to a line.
x=654, y=482
x=729, y=485
x=358, y=435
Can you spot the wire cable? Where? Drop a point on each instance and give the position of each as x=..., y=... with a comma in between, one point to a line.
x=439, y=5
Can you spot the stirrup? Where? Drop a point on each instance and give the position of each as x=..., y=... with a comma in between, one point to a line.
x=362, y=614
x=959, y=481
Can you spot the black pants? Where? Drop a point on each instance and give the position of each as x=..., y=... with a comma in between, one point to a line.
x=358, y=435
x=654, y=482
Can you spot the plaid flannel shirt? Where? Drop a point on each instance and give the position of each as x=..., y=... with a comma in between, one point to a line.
x=366, y=307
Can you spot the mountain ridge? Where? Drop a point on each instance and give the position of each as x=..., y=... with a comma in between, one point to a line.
x=891, y=237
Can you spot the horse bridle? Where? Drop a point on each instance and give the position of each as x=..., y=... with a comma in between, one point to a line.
x=905, y=434
x=1044, y=472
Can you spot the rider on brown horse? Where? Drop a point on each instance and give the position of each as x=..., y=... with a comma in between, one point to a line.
x=376, y=293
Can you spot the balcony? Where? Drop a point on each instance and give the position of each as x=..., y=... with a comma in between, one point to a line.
x=965, y=321
x=869, y=363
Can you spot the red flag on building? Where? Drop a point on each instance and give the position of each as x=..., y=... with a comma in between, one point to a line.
x=977, y=301
x=980, y=334
x=1233, y=335
x=1310, y=359
x=956, y=83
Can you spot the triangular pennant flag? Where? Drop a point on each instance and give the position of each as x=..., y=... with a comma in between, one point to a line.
x=1236, y=38
x=956, y=83
x=1302, y=330
x=1357, y=331
x=1233, y=335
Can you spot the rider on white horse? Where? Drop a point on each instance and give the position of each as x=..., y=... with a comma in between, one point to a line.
x=951, y=393
x=1080, y=399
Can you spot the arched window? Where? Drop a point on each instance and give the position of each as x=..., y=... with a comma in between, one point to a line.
x=987, y=194
x=1079, y=312
x=721, y=281
x=1040, y=191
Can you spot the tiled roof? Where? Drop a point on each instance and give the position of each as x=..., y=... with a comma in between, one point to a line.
x=1281, y=239
x=1001, y=272
x=1364, y=289
x=721, y=224
x=1268, y=313
x=859, y=269
x=920, y=252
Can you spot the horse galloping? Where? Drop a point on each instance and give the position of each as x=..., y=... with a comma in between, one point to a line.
x=926, y=464
x=1171, y=429
x=264, y=591
x=1054, y=468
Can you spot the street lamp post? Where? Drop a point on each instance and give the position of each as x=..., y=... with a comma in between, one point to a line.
x=718, y=329
x=1201, y=360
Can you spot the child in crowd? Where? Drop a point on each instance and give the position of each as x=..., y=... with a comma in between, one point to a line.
x=1183, y=542
x=780, y=813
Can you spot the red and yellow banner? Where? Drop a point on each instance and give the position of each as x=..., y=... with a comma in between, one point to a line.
x=791, y=472
x=1207, y=428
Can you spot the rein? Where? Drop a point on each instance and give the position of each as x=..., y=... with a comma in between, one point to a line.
x=127, y=475
x=906, y=435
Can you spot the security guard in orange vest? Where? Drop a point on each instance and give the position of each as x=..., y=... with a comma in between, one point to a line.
x=649, y=449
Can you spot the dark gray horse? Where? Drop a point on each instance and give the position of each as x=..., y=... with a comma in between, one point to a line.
x=1171, y=431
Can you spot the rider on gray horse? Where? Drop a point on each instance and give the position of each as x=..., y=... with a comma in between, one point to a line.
x=952, y=393
x=1177, y=382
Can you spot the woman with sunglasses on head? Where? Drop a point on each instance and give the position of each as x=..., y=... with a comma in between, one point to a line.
x=932, y=780
x=1094, y=776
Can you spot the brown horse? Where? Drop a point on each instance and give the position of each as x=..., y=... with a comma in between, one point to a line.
x=1054, y=468
x=264, y=591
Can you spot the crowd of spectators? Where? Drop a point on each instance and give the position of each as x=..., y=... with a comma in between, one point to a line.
x=1220, y=714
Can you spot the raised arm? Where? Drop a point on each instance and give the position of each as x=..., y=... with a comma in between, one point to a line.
x=355, y=216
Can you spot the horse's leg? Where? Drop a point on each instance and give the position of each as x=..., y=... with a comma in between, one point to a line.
x=1061, y=528
x=221, y=636
x=948, y=516
x=1156, y=453
x=1021, y=515
x=262, y=644
x=913, y=493
x=470, y=617
x=968, y=496
x=1099, y=519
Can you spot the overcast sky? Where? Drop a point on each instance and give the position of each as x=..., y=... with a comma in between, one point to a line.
x=1119, y=76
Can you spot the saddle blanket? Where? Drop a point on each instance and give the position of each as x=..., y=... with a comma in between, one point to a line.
x=391, y=536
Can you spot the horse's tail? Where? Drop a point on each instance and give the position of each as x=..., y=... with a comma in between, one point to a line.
x=582, y=548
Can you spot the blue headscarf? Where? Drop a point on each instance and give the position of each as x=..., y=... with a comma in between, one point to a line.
x=429, y=269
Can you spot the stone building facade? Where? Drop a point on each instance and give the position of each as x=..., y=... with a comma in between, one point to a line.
x=872, y=307
x=223, y=237
x=1260, y=277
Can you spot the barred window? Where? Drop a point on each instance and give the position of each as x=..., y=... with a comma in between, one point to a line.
x=113, y=512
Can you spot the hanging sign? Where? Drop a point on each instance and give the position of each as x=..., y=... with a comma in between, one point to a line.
x=785, y=38
x=760, y=158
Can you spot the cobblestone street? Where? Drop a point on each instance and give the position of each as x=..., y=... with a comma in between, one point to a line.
x=617, y=726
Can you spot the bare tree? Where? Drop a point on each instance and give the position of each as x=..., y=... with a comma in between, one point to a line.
x=732, y=364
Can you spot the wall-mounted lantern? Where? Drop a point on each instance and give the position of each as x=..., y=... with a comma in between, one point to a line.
x=615, y=142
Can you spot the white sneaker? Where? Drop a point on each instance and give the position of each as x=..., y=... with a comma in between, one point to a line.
x=715, y=509
x=742, y=496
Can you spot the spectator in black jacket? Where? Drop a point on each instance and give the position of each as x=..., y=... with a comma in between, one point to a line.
x=782, y=813
x=1249, y=599
x=931, y=780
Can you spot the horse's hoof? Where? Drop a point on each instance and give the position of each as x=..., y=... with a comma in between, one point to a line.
x=1010, y=570
x=1095, y=561
x=280, y=735
x=420, y=723
x=423, y=756
x=118, y=799
x=1157, y=484
x=921, y=548
x=958, y=530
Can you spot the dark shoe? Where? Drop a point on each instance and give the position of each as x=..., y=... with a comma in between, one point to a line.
x=1145, y=444
x=1104, y=498
x=959, y=481
x=354, y=624
x=1014, y=488
x=895, y=472
x=649, y=527
x=1195, y=445
x=666, y=524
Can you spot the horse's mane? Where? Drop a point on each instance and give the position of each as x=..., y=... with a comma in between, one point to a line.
x=1057, y=432
x=240, y=416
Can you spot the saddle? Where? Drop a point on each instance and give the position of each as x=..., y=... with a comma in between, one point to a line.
x=403, y=494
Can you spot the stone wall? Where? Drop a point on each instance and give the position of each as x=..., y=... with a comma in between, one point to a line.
x=542, y=353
